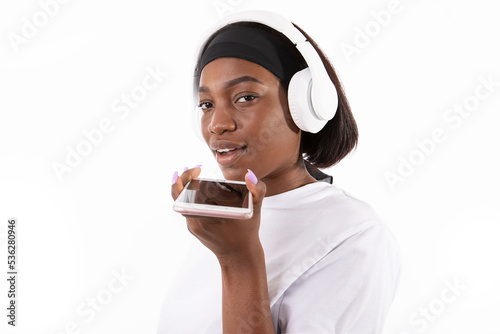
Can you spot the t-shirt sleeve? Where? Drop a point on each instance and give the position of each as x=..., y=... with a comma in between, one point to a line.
x=349, y=290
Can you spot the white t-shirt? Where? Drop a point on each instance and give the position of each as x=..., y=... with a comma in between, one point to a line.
x=332, y=267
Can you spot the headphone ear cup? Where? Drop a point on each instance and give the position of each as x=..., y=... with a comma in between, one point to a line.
x=300, y=102
x=298, y=96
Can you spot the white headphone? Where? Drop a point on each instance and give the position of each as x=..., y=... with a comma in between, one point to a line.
x=312, y=96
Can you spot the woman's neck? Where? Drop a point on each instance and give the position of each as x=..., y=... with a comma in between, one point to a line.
x=288, y=179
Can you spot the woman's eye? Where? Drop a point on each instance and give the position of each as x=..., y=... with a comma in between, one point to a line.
x=205, y=105
x=246, y=98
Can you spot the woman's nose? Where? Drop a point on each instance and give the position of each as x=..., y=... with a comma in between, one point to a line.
x=222, y=120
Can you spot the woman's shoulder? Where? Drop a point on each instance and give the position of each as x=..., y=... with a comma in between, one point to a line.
x=322, y=203
x=316, y=226
x=317, y=213
x=313, y=193
x=347, y=205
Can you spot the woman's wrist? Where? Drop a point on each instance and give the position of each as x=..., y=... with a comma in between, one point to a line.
x=252, y=255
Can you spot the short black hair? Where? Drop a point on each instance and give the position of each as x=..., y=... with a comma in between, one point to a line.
x=340, y=134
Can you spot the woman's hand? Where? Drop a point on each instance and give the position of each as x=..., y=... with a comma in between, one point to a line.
x=245, y=298
x=228, y=239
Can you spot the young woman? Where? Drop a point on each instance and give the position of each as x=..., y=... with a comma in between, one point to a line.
x=312, y=259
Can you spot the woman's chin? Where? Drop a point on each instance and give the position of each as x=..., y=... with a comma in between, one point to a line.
x=234, y=174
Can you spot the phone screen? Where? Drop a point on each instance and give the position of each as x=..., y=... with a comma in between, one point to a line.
x=217, y=193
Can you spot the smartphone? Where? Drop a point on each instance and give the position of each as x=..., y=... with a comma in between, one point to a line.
x=215, y=198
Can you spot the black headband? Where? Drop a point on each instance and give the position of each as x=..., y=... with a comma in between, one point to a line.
x=278, y=55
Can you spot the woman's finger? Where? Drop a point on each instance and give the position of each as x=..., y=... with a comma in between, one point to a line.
x=179, y=181
x=256, y=187
x=190, y=174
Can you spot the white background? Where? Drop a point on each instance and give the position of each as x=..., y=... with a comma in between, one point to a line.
x=112, y=212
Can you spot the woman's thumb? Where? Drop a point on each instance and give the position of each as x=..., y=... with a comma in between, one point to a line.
x=256, y=187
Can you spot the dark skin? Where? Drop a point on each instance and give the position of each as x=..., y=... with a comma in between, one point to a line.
x=245, y=105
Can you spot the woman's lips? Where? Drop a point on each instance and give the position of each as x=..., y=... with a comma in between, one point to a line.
x=230, y=157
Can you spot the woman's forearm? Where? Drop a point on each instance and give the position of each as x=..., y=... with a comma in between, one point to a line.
x=245, y=298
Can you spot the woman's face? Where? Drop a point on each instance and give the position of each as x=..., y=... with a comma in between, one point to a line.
x=245, y=120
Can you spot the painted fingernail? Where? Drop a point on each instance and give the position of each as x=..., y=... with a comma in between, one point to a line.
x=175, y=177
x=185, y=169
x=252, y=177
x=197, y=166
